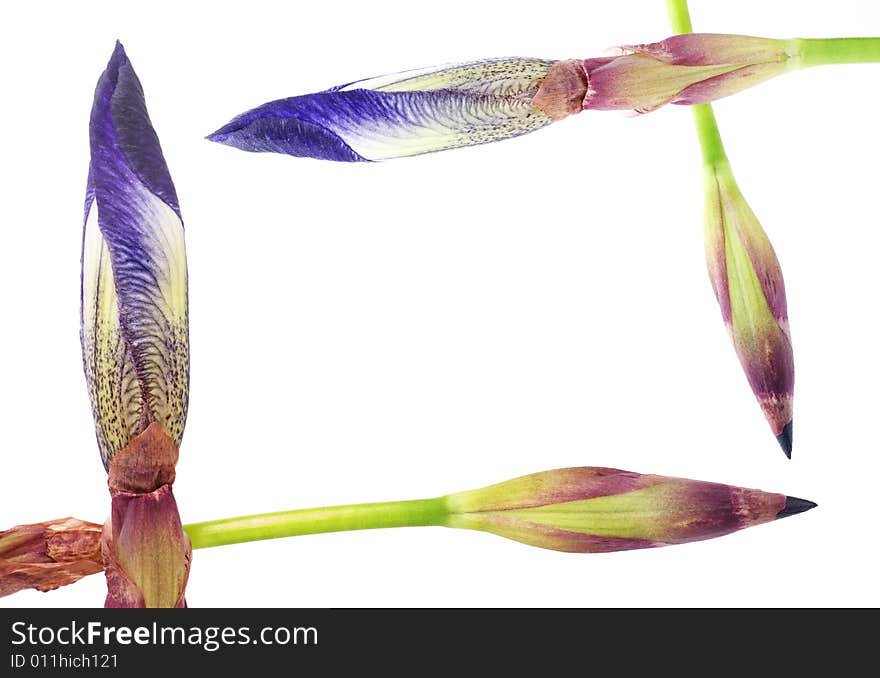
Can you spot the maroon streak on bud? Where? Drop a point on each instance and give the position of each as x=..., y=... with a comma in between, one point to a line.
x=146, y=553
x=47, y=555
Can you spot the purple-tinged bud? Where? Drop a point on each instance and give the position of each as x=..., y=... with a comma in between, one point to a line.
x=592, y=510
x=748, y=284
x=695, y=68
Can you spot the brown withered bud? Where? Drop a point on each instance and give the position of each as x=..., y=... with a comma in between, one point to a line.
x=47, y=555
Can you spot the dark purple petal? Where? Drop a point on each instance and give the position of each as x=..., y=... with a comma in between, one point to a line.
x=123, y=115
x=278, y=127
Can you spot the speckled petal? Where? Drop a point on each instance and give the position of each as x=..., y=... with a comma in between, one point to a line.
x=134, y=280
x=114, y=391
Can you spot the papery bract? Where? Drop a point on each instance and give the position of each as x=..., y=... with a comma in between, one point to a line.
x=47, y=555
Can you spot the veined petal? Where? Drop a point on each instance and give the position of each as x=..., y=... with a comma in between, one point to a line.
x=115, y=394
x=134, y=280
x=400, y=114
x=501, y=77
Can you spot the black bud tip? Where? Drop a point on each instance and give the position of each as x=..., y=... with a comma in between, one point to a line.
x=794, y=505
x=785, y=439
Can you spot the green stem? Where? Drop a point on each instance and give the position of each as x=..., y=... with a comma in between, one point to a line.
x=679, y=16
x=414, y=513
x=822, y=51
x=710, y=137
x=809, y=51
x=704, y=117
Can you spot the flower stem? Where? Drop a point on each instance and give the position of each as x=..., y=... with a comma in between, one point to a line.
x=419, y=512
x=679, y=16
x=823, y=51
x=710, y=138
x=704, y=118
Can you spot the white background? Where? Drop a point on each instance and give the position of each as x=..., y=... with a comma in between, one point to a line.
x=407, y=329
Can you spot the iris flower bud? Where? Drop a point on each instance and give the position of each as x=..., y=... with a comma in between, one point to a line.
x=748, y=284
x=135, y=341
x=435, y=109
x=594, y=510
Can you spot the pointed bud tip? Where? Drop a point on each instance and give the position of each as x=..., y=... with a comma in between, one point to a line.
x=793, y=505
x=119, y=55
x=786, y=438
x=219, y=136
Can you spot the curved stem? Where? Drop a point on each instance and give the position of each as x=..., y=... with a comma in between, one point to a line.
x=413, y=513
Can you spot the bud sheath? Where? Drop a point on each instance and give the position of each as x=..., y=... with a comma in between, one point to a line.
x=146, y=553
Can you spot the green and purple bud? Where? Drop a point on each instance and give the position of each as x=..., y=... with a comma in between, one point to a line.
x=695, y=68
x=748, y=284
x=135, y=340
x=596, y=510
